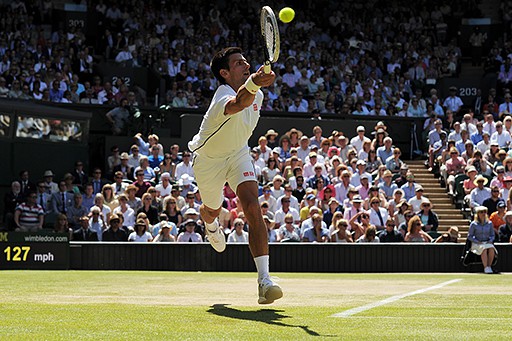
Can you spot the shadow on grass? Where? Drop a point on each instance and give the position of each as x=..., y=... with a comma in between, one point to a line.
x=269, y=316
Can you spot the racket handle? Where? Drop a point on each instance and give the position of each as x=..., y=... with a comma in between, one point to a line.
x=267, y=68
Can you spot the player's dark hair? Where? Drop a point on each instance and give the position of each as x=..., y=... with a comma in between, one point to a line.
x=221, y=61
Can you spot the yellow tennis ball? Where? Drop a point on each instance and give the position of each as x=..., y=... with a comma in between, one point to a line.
x=286, y=14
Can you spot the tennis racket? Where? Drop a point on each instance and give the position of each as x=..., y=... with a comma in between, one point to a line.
x=270, y=33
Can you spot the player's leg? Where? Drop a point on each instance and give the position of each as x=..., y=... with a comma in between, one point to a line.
x=268, y=291
x=210, y=176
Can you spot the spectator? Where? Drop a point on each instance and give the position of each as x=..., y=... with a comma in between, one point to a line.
x=140, y=234
x=481, y=235
x=164, y=235
x=390, y=234
x=189, y=234
x=28, y=215
x=429, y=219
x=76, y=211
x=317, y=233
x=480, y=193
x=452, y=236
x=505, y=230
x=84, y=233
x=238, y=235
x=370, y=236
x=341, y=233
x=125, y=210
x=415, y=233
x=288, y=232
x=115, y=233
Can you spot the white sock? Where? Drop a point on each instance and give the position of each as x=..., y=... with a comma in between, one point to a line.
x=262, y=267
x=213, y=226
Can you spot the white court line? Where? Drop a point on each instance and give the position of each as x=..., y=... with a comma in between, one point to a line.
x=392, y=299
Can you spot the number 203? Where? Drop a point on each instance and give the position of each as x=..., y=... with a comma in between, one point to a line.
x=14, y=254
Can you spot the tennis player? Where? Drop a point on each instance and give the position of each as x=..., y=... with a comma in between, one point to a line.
x=221, y=153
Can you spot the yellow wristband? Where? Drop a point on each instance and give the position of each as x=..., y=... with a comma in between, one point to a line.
x=250, y=86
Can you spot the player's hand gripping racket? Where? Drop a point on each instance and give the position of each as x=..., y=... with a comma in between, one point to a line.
x=270, y=33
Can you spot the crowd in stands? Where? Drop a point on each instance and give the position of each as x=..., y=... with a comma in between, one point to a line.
x=335, y=57
x=315, y=188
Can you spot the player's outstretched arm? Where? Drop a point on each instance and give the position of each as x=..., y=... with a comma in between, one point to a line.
x=247, y=92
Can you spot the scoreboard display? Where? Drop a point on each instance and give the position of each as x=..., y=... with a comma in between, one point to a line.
x=34, y=251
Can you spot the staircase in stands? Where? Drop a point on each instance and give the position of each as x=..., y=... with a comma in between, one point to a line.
x=442, y=204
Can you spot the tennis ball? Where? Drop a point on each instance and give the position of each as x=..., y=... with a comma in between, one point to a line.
x=286, y=14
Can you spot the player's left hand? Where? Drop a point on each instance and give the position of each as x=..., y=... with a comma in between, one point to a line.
x=263, y=79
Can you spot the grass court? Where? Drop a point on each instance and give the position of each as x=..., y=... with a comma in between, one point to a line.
x=135, y=305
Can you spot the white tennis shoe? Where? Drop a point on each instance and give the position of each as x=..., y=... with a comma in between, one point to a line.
x=269, y=291
x=488, y=270
x=216, y=238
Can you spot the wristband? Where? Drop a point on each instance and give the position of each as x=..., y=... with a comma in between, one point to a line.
x=250, y=86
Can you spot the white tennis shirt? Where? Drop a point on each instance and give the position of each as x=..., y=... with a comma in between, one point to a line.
x=222, y=135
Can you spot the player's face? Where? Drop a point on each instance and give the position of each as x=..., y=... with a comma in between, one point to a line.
x=238, y=70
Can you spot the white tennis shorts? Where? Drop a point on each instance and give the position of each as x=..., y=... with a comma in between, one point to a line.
x=212, y=173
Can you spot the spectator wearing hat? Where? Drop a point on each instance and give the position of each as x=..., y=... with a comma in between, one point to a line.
x=164, y=231
x=498, y=180
x=358, y=140
x=480, y=193
x=355, y=179
x=80, y=177
x=400, y=178
x=114, y=233
x=386, y=151
x=428, y=217
x=309, y=166
x=451, y=236
x=124, y=167
x=51, y=186
x=481, y=234
x=284, y=210
x=84, y=233
x=364, y=188
x=186, y=183
x=133, y=201
x=505, y=230
x=353, y=205
x=493, y=200
x=271, y=136
x=416, y=201
x=141, y=233
x=189, y=233
x=176, y=193
x=453, y=102
x=342, y=187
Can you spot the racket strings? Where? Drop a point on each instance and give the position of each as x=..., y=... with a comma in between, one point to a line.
x=270, y=39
